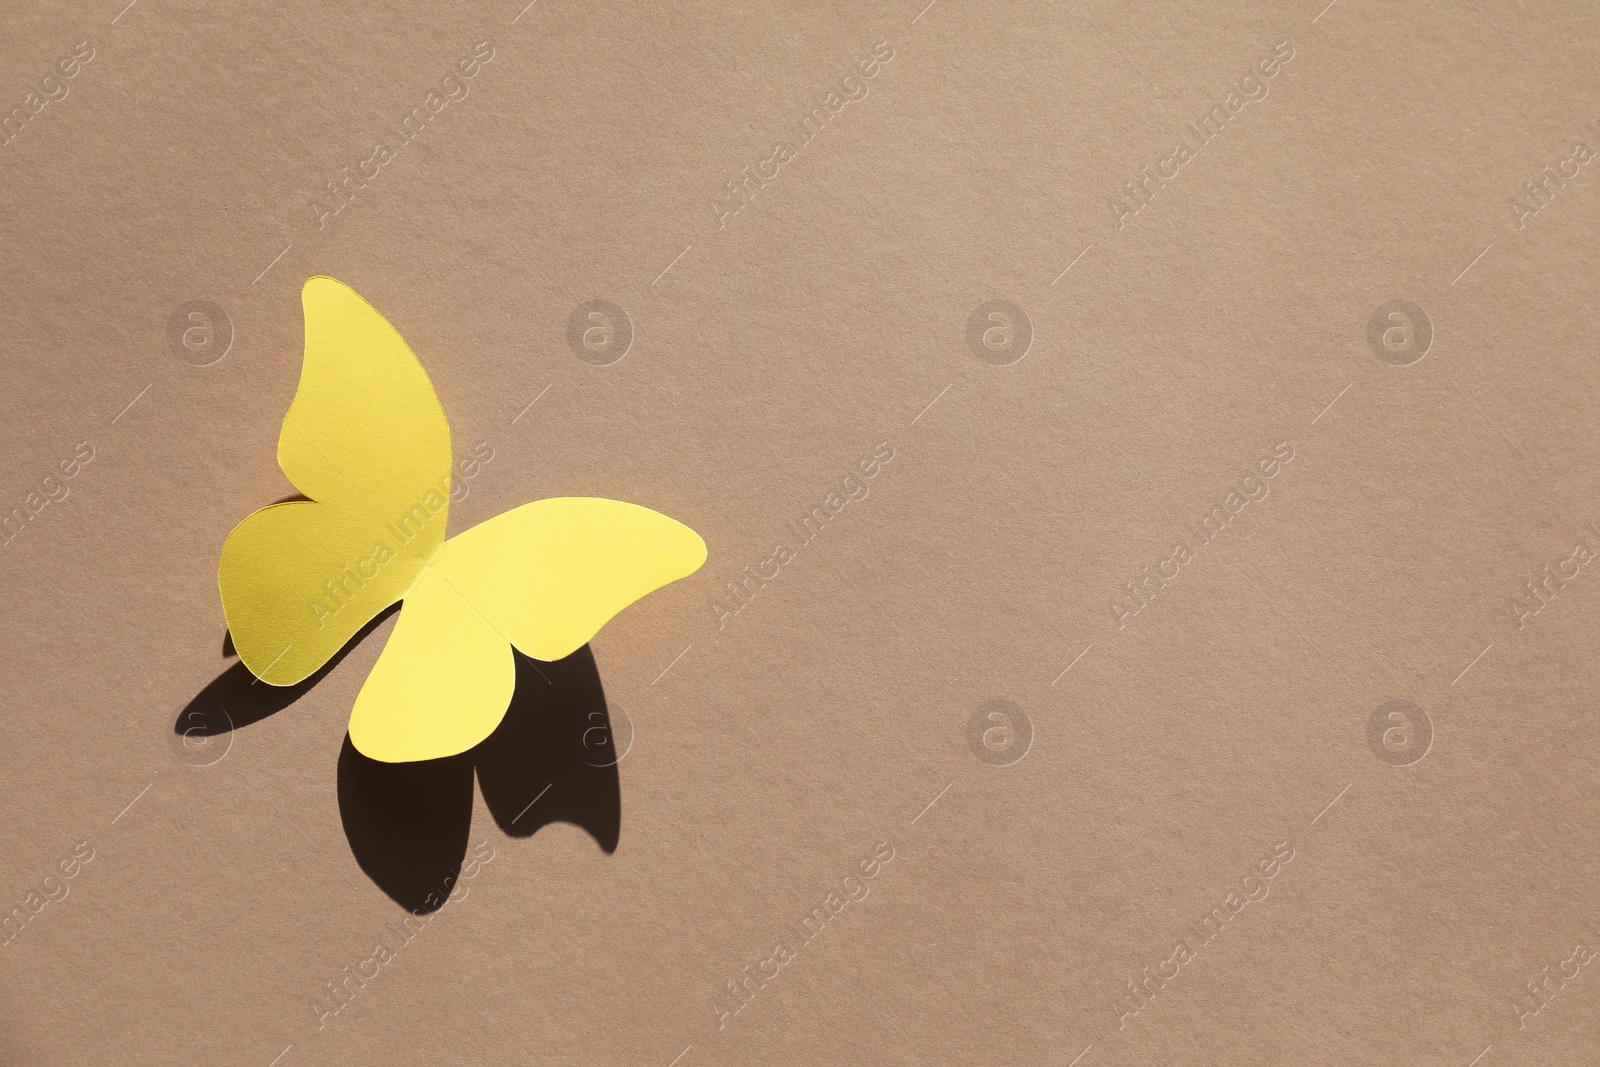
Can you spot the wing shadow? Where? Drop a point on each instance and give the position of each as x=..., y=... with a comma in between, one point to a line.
x=236, y=698
x=552, y=759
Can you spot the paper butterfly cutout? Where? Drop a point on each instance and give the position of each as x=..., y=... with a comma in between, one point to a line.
x=367, y=442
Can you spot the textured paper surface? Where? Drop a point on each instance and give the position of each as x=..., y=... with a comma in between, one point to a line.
x=1148, y=616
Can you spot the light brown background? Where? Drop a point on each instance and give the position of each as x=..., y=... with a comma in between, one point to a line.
x=773, y=354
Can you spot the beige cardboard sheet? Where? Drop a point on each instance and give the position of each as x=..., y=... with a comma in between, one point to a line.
x=1147, y=455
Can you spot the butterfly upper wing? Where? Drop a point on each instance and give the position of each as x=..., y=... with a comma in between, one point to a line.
x=367, y=441
x=365, y=419
x=544, y=577
x=549, y=574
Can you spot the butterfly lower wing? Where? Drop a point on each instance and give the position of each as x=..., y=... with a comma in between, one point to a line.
x=548, y=575
x=367, y=441
x=442, y=683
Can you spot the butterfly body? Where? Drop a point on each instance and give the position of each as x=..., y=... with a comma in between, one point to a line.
x=367, y=442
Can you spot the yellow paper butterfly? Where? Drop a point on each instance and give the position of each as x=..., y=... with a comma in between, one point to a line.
x=366, y=441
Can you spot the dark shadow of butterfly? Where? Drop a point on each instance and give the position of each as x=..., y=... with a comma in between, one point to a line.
x=553, y=758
